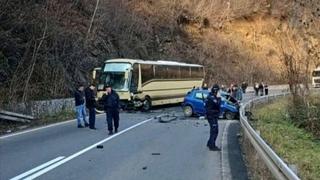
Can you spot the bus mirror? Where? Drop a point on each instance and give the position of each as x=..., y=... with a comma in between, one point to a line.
x=126, y=75
x=95, y=72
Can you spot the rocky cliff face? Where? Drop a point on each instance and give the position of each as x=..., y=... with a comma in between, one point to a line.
x=46, y=47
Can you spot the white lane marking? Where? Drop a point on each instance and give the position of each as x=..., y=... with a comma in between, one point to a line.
x=47, y=169
x=39, y=128
x=225, y=166
x=37, y=168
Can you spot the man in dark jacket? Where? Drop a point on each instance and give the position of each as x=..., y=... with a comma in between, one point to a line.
x=91, y=105
x=80, y=109
x=212, y=105
x=111, y=103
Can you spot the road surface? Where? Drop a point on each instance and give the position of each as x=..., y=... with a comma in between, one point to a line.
x=144, y=149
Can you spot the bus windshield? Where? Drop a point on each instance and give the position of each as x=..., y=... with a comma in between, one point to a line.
x=316, y=73
x=114, y=75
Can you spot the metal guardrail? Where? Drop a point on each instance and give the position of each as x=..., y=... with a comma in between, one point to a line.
x=276, y=165
x=12, y=116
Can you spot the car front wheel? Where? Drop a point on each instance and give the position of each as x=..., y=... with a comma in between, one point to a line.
x=187, y=110
x=230, y=115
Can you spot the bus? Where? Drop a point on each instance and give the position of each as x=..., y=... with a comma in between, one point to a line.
x=143, y=84
x=316, y=77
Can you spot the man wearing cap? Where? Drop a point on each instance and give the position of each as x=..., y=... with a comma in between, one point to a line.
x=111, y=106
x=212, y=105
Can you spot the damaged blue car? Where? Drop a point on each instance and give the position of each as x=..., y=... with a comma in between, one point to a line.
x=194, y=104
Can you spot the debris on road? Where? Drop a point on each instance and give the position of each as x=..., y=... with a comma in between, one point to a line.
x=145, y=167
x=100, y=147
x=167, y=118
x=155, y=154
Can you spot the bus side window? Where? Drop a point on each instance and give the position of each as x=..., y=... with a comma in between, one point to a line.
x=161, y=72
x=147, y=73
x=134, y=78
x=196, y=72
x=185, y=72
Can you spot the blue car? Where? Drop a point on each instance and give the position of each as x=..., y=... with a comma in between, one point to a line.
x=194, y=104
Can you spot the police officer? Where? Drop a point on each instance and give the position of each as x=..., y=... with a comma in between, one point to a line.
x=111, y=106
x=212, y=105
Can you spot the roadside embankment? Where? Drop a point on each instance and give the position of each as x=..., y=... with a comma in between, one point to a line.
x=294, y=143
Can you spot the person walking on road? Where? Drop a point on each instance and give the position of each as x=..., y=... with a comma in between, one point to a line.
x=80, y=109
x=111, y=106
x=91, y=105
x=212, y=105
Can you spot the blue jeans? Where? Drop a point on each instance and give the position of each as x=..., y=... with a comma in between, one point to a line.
x=81, y=114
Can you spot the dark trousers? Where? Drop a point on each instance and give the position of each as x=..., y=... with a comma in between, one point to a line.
x=112, y=119
x=92, y=117
x=214, y=130
x=266, y=91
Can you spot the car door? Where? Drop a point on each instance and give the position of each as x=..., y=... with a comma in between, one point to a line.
x=199, y=102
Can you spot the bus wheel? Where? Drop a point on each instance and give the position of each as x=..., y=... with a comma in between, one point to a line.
x=146, y=104
x=187, y=111
x=230, y=115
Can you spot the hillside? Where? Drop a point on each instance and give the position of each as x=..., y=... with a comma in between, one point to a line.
x=46, y=47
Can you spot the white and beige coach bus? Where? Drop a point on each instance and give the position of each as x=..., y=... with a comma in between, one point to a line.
x=316, y=77
x=143, y=84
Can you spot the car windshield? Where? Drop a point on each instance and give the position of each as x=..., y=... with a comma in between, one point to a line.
x=114, y=74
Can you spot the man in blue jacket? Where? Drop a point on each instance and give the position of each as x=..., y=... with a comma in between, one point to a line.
x=111, y=104
x=212, y=105
x=80, y=109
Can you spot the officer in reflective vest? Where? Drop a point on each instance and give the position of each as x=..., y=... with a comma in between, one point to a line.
x=212, y=105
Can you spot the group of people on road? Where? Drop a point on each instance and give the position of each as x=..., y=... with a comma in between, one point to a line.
x=235, y=90
x=86, y=98
x=261, y=89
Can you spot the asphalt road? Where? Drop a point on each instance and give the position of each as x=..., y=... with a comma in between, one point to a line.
x=144, y=149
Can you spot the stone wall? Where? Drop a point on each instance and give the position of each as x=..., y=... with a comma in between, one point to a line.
x=43, y=108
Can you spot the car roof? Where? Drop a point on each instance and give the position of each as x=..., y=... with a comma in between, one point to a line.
x=201, y=90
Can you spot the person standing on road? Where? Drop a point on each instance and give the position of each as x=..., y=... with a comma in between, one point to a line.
x=239, y=94
x=234, y=90
x=80, y=109
x=91, y=105
x=266, y=89
x=244, y=86
x=256, y=88
x=111, y=106
x=261, y=88
x=212, y=105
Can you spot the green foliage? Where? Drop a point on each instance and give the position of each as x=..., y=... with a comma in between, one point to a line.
x=304, y=112
x=295, y=145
